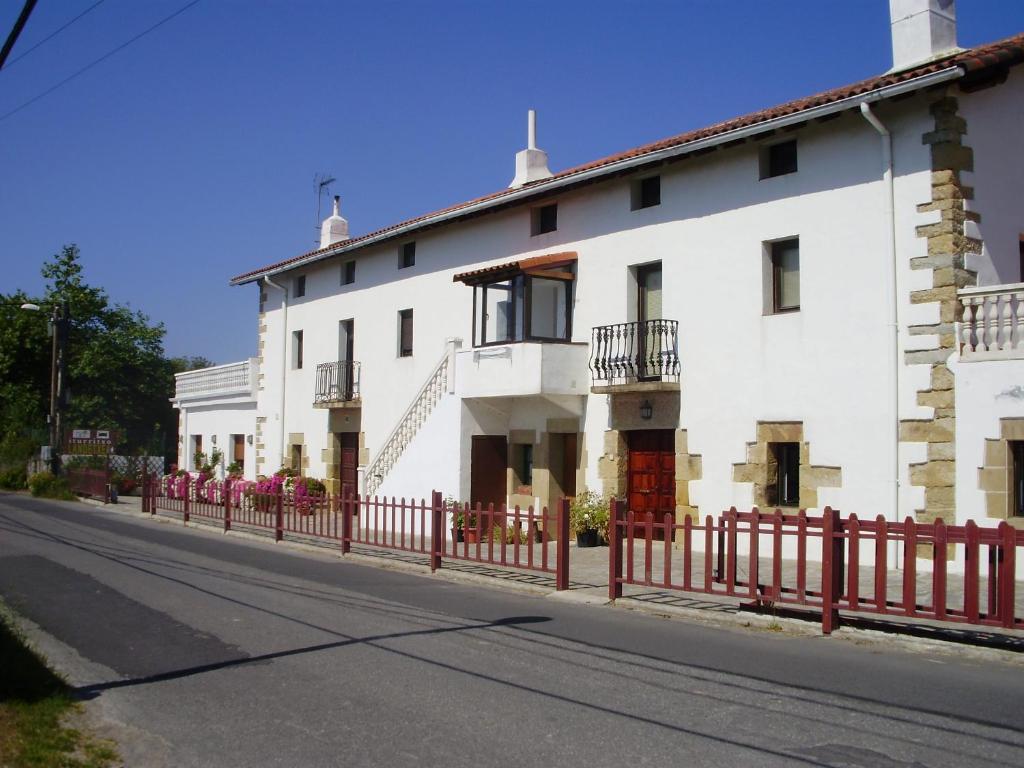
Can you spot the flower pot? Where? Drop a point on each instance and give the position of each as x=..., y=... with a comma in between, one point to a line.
x=457, y=534
x=586, y=539
x=472, y=535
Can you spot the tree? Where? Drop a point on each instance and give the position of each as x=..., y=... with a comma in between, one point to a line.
x=118, y=377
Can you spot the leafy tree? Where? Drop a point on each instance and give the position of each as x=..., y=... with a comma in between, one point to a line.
x=118, y=377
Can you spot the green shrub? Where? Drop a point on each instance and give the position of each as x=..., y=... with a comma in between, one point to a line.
x=13, y=478
x=47, y=486
x=589, y=512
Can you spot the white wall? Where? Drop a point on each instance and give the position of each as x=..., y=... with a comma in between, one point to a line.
x=222, y=419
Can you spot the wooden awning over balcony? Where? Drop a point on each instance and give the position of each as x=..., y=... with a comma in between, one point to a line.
x=536, y=265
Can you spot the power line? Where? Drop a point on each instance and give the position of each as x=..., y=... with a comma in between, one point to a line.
x=19, y=24
x=102, y=58
x=50, y=36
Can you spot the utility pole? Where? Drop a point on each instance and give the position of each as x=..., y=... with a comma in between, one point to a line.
x=58, y=380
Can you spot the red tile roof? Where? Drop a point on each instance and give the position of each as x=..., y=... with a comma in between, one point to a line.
x=973, y=63
x=515, y=267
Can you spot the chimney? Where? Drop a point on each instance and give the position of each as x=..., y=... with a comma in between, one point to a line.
x=531, y=163
x=922, y=30
x=334, y=229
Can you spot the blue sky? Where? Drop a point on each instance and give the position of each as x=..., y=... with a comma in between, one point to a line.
x=189, y=157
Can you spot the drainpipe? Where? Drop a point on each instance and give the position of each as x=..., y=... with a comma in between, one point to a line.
x=890, y=222
x=284, y=355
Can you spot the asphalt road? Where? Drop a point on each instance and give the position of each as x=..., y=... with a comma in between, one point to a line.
x=208, y=650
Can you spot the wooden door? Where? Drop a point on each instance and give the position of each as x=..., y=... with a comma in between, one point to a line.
x=487, y=470
x=348, y=471
x=651, y=480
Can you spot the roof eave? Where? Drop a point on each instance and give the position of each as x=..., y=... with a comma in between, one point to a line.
x=921, y=82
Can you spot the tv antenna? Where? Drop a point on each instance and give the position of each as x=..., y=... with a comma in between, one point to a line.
x=321, y=181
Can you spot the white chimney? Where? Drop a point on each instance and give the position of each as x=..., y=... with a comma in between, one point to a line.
x=334, y=229
x=922, y=30
x=531, y=163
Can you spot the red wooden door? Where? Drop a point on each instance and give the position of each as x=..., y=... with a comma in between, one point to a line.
x=487, y=470
x=349, y=473
x=651, y=479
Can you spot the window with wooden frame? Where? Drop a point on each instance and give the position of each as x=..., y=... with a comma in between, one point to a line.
x=785, y=276
x=296, y=350
x=524, y=301
x=405, y=333
x=1015, y=456
x=782, y=486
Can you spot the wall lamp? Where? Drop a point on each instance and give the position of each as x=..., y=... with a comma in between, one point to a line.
x=646, y=410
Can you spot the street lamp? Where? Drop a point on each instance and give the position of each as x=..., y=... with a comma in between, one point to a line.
x=58, y=374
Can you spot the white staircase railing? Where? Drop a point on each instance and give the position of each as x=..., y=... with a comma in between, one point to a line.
x=413, y=418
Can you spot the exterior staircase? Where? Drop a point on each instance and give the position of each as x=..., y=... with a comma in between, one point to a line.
x=414, y=417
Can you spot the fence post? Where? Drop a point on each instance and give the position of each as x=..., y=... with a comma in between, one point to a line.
x=226, y=490
x=831, y=587
x=145, y=485
x=437, y=532
x=279, y=516
x=562, y=565
x=346, y=523
x=188, y=495
x=617, y=514
x=1007, y=564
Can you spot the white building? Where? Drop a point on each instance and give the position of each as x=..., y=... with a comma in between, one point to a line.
x=761, y=312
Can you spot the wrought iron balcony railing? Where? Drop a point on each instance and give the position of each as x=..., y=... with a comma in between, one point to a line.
x=630, y=353
x=337, y=382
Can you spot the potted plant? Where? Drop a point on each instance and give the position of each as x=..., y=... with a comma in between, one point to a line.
x=588, y=518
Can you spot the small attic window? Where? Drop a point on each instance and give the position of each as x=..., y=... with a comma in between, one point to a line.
x=300, y=286
x=645, y=193
x=778, y=159
x=407, y=257
x=544, y=219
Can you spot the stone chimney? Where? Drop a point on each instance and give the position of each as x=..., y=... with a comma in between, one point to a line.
x=922, y=30
x=334, y=229
x=531, y=163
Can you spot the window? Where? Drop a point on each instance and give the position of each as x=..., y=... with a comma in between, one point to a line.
x=408, y=255
x=783, y=481
x=522, y=468
x=1016, y=456
x=785, y=276
x=778, y=159
x=348, y=273
x=524, y=307
x=296, y=349
x=296, y=457
x=197, y=451
x=544, y=219
x=646, y=193
x=405, y=333
x=300, y=286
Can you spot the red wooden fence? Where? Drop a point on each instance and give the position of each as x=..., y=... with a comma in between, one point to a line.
x=713, y=567
x=499, y=537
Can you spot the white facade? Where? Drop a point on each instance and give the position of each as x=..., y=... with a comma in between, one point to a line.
x=216, y=405
x=835, y=367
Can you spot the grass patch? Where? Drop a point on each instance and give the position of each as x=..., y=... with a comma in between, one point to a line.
x=34, y=705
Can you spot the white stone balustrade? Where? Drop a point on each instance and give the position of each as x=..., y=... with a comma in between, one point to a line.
x=219, y=380
x=992, y=327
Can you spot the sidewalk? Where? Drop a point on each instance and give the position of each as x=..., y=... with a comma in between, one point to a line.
x=588, y=583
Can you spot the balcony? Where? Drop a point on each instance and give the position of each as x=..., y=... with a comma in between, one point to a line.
x=635, y=357
x=337, y=385
x=993, y=323
x=220, y=381
x=522, y=370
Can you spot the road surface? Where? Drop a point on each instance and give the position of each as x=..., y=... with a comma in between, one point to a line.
x=211, y=650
